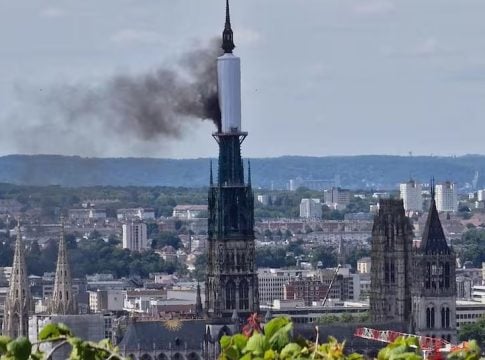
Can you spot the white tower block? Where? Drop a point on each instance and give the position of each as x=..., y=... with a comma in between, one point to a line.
x=229, y=83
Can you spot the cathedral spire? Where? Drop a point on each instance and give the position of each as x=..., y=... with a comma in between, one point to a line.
x=434, y=240
x=18, y=302
x=63, y=301
x=227, y=34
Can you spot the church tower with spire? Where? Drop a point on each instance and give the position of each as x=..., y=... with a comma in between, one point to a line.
x=231, y=287
x=434, y=287
x=18, y=301
x=63, y=301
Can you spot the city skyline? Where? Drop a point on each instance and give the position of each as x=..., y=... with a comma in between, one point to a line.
x=343, y=57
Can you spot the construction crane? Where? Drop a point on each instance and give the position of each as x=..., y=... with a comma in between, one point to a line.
x=331, y=284
x=433, y=348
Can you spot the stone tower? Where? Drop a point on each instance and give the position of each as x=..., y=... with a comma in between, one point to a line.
x=434, y=288
x=63, y=300
x=18, y=301
x=231, y=286
x=391, y=259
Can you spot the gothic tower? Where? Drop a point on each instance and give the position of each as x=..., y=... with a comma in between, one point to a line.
x=63, y=301
x=231, y=286
x=18, y=301
x=391, y=259
x=434, y=290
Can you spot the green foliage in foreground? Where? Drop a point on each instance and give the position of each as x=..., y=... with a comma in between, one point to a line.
x=275, y=342
x=59, y=335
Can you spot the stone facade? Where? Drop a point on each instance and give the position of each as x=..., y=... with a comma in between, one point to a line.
x=391, y=258
x=434, y=290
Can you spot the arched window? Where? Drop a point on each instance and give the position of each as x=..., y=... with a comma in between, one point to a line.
x=193, y=356
x=162, y=356
x=441, y=275
x=178, y=356
x=146, y=357
x=443, y=320
x=447, y=317
x=243, y=295
x=447, y=275
x=386, y=272
x=230, y=295
x=430, y=317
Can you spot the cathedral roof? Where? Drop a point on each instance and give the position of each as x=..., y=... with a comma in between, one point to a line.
x=164, y=334
x=434, y=240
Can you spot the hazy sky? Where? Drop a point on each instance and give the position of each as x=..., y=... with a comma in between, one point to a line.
x=320, y=77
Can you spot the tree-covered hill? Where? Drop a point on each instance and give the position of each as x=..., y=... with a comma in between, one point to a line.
x=357, y=172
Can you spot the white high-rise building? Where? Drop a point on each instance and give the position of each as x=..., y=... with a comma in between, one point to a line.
x=446, y=197
x=410, y=193
x=481, y=195
x=310, y=208
x=135, y=236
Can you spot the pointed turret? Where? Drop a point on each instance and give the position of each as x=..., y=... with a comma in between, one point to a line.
x=18, y=301
x=211, y=177
x=227, y=34
x=198, y=302
x=433, y=239
x=63, y=300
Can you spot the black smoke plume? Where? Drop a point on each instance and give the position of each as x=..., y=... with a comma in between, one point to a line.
x=151, y=105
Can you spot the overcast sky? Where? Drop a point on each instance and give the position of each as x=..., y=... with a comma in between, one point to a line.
x=319, y=77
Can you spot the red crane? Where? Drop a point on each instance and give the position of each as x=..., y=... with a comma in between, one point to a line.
x=434, y=348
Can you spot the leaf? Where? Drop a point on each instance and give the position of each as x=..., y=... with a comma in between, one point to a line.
x=281, y=337
x=64, y=330
x=54, y=331
x=50, y=331
x=239, y=341
x=290, y=351
x=4, y=340
x=274, y=325
x=269, y=355
x=246, y=357
x=355, y=356
x=257, y=344
x=225, y=341
x=232, y=353
x=20, y=348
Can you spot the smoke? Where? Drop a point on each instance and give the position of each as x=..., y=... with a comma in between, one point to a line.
x=160, y=104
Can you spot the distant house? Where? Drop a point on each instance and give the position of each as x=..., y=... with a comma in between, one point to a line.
x=189, y=211
x=86, y=215
x=11, y=206
x=136, y=214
